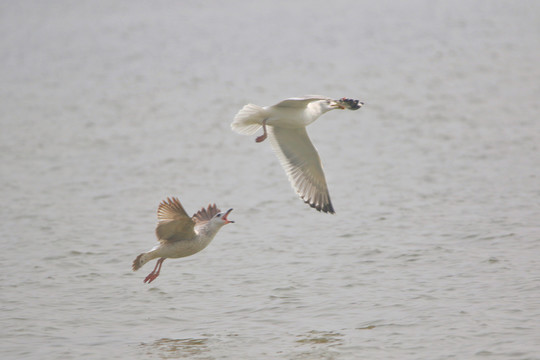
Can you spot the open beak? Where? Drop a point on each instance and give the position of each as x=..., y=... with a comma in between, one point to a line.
x=338, y=106
x=227, y=221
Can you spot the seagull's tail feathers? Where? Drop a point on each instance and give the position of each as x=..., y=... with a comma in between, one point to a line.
x=141, y=260
x=249, y=119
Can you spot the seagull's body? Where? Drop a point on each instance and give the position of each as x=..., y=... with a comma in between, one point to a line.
x=286, y=122
x=180, y=235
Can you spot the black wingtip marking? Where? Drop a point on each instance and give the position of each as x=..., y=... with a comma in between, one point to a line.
x=327, y=208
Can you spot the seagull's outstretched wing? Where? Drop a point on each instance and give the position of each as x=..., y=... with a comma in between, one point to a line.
x=300, y=102
x=302, y=164
x=173, y=222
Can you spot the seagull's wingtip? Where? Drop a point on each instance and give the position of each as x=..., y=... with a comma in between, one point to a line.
x=326, y=208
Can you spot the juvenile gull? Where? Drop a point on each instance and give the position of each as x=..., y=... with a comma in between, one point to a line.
x=285, y=124
x=180, y=235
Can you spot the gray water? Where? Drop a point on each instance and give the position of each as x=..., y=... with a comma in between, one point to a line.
x=107, y=108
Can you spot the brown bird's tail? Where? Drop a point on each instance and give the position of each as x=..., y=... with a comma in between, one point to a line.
x=139, y=262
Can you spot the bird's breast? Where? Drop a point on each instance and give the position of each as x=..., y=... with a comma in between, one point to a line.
x=187, y=247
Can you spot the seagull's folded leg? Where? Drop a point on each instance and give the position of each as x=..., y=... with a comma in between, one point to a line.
x=264, y=135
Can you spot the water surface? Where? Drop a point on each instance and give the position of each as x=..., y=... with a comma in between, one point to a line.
x=108, y=108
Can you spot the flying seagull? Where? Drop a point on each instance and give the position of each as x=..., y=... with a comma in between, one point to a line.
x=180, y=235
x=285, y=124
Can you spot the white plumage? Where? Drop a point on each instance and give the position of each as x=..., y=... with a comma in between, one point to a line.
x=287, y=121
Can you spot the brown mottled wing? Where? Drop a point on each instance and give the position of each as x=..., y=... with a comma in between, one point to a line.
x=204, y=215
x=173, y=222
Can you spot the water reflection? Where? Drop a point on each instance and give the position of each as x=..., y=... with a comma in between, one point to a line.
x=320, y=337
x=166, y=348
x=318, y=345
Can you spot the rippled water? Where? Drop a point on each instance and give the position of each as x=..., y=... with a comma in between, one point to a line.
x=109, y=107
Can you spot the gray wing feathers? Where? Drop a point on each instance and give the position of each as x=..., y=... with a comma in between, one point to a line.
x=302, y=164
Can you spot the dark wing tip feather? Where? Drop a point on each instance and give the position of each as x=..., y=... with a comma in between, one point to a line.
x=170, y=203
x=326, y=208
x=170, y=208
x=206, y=214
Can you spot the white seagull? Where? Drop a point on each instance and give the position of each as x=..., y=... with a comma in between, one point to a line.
x=180, y=235
x=286, y=122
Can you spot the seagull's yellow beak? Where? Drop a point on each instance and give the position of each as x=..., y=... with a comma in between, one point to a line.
x=337, y=105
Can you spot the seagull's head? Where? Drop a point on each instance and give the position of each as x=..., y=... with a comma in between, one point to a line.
x=221, y=218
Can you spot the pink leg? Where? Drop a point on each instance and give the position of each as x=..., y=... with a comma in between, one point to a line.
x=154, y=274
x=264, y=135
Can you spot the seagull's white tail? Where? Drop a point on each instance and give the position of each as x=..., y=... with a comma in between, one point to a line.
x=141, y=260
x=248, y=120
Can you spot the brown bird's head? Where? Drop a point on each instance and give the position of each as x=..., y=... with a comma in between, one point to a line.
x=221, y=217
